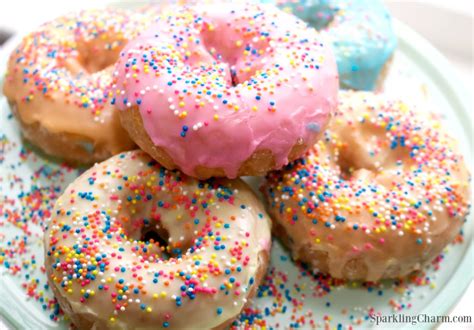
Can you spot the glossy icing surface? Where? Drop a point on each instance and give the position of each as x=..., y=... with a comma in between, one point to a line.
x=361, y=32
x=102, y=269
x=385, y=187
x=216, y=83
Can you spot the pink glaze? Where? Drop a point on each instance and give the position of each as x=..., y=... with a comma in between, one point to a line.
x=179, y=73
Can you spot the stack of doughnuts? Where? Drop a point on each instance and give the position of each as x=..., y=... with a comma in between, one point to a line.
x=357, y=185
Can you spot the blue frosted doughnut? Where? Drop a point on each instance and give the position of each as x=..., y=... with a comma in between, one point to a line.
x=361, y=32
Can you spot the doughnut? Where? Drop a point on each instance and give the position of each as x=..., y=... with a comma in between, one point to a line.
x=132, y=245
x=378, y=197
x=361, y=32
x=57, y=81
x=226, y=90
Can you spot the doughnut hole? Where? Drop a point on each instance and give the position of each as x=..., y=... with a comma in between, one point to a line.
x=242, y=67
x=154, y=237
x=323, y=17
x=159, y=238
x=366, y=154
x=94, y=55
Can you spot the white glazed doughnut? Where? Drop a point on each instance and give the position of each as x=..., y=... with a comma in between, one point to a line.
x=107, y=271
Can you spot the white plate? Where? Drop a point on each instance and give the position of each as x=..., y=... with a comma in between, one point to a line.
x=291, y=294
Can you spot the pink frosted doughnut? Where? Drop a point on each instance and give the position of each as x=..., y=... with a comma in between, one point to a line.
x=227, y=90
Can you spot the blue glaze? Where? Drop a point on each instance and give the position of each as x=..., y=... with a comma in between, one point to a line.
x=361, y=32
